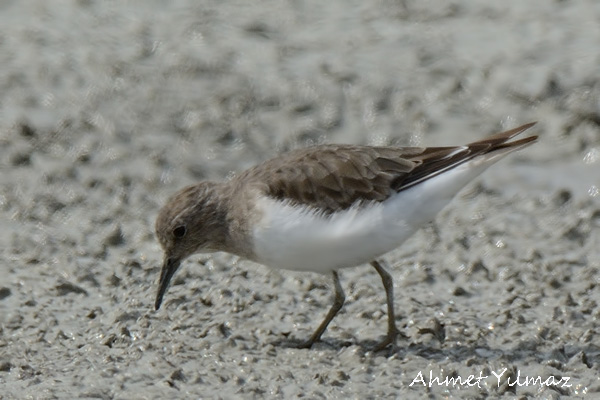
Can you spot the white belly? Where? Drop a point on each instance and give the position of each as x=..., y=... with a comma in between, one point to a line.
x=298, y=238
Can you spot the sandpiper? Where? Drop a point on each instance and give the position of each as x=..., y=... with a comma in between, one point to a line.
x=324, y=208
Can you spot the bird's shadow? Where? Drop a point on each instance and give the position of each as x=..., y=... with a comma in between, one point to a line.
x=519, y=352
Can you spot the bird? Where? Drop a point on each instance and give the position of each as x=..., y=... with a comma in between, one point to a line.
x=324, y=208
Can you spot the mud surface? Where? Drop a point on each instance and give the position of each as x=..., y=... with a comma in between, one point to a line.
x=107, y=108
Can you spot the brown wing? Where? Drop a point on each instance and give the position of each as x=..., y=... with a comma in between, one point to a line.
x=334, y=177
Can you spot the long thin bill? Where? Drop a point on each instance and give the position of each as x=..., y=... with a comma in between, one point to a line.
x=169, y=268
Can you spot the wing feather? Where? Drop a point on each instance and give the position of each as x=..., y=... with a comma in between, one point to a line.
x=335, y=177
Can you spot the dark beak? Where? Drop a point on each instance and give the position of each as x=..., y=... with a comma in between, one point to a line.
x=169, y=268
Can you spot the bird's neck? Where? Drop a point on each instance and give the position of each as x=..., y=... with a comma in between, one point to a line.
x=229, y=231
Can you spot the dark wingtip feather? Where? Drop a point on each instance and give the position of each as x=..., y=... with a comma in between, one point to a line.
x=434, y=165
x=502, y=137
x=518, y=143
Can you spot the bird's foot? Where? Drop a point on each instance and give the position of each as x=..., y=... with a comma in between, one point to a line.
x=390, y=339
x=307, y=344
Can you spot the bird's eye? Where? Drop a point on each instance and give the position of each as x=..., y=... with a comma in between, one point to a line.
x=179, y=231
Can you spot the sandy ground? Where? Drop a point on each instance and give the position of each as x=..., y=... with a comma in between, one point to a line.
x=108, y=107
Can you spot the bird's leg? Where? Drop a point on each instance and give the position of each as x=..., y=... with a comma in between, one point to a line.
x=388, y=284
x=338, y=302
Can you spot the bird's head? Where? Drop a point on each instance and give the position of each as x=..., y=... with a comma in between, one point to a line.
x=191, y=222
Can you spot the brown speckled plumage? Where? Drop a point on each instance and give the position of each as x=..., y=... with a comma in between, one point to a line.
x=334, y=177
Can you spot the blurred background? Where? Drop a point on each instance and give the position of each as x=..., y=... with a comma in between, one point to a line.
x=108, y=107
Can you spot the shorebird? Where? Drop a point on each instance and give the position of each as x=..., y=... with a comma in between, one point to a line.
x=324, y=208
